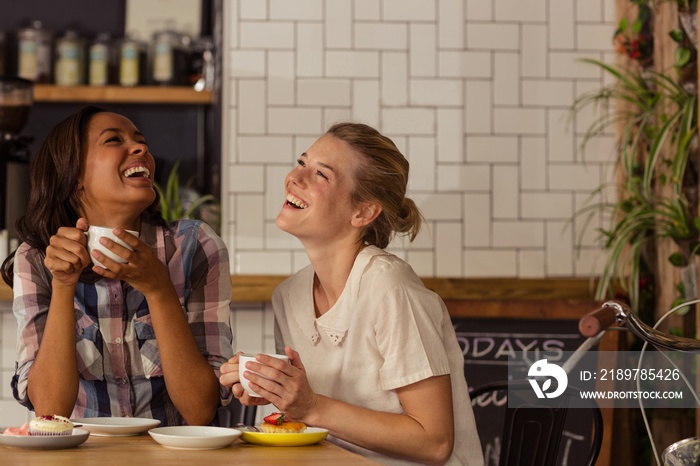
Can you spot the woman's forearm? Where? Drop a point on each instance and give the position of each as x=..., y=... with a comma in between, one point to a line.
x=52, y=384
x=424, y=432
x=397, y=435
x=191, y=382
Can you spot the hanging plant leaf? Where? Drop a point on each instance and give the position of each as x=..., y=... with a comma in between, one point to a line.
x=678, y=259
x=682, y=56
x=637, y=26
x=644, y=12
x=694, y=248
x=676, y=35
x=621, y=26
x=680, y=312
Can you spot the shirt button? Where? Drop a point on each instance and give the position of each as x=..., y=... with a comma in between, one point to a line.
x=123, y=381
x=118, y=340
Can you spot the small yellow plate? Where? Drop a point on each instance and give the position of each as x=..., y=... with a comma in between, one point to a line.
x=310, y=436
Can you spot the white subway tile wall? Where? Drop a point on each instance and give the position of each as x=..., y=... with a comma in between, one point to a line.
x=476, y=93
x=11, y=412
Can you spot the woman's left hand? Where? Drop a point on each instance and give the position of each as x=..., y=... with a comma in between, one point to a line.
x=142, y=270
x=229, y=378
x=287, y=387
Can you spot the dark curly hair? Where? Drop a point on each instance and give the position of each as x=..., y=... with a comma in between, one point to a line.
x=54, y=199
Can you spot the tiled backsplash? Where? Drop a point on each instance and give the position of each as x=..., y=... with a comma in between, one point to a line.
x=476, y=93
x=11, y=413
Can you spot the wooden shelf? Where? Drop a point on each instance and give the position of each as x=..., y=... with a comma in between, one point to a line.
x=138, y=94
x=250, y=288
x=254, y=288
x=5, y=291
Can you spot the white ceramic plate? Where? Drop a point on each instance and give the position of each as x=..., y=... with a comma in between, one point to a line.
x=45, y=442
x=310, y=436
x=116, y=426
x=194, y=437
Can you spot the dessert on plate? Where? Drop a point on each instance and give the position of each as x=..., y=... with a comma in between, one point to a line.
x=43, y=425
x=50, y=425
x=277, y=423
x=17, y=430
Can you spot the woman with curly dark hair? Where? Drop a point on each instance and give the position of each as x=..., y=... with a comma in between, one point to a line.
x=139, y=338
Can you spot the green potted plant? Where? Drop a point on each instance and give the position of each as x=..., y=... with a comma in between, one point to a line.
x=182, y=202
x=658, y=195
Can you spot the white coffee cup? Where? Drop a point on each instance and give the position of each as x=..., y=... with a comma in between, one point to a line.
x=93, y=243
x=244, y=358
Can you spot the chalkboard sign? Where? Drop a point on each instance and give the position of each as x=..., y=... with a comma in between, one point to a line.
x=487, y=342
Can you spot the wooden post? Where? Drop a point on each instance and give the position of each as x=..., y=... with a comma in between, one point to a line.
x=668, y=426
x=665, y=431
x=697, y=314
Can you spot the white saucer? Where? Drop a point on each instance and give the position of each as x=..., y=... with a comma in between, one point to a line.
x=116, y=426
x=45, y=442
x=194, y=437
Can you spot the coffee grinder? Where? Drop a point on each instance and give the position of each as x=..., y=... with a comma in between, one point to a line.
x=16, y=98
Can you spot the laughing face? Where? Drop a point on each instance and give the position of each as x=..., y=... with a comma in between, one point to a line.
x=117, y=179
x=318, y=206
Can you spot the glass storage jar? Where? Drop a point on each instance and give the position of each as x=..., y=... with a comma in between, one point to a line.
x=70, y=60
x=102, y=68
x=34, y=53
x=132, y=62
x=170, y=58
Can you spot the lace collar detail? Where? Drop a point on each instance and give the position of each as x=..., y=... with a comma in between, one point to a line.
x=334, y=323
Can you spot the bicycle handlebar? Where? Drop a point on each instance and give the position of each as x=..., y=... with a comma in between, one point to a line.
x=612, y=311
x=595, y=322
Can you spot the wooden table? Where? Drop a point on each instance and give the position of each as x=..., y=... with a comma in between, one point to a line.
x=142, y=449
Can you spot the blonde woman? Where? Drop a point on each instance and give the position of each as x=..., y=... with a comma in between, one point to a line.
x=374, y=357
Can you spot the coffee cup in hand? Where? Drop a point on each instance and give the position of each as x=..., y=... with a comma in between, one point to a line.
x=243, y=359
x=93, y=243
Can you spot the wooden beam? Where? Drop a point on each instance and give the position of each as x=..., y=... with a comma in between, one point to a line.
x=249, y=288
x=566, y=309
x=497, y=291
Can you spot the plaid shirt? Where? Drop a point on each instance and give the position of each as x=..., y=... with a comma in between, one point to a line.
x=117, y=352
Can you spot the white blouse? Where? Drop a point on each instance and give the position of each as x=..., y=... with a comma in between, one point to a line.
x=385, y=331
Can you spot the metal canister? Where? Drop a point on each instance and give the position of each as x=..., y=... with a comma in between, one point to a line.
x=102, y=61
x=132, y=62
x=34, y=53
x=170, y=58
x=202, y=64
x=70, y=60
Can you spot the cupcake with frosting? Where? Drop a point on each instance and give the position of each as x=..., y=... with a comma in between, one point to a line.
x=50, y=425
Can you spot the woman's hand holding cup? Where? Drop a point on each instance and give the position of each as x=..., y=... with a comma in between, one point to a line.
x=232, y=375
x=95, y=242
x=66, y=256
x=243, y=361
